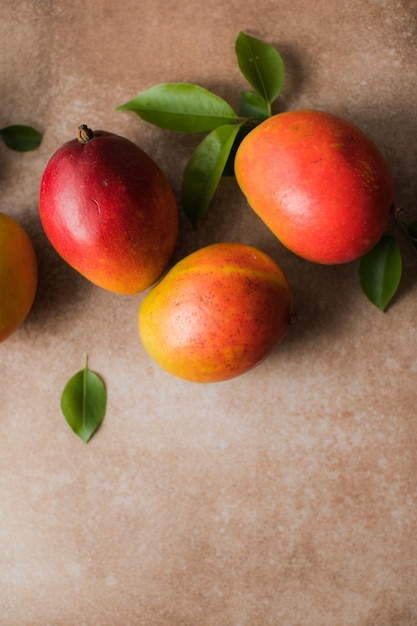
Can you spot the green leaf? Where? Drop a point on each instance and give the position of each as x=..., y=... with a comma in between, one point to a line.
x=181, y=107
x=380, y=271
x=252, y=105
x=204, y=170
x=83, y=402
x=261, y=65
x=21, y=138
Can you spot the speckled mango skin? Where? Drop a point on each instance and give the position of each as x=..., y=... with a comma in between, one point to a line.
x=319, y=184
x=217, y=313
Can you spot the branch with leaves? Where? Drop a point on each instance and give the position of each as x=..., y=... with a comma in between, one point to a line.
x=188, y=108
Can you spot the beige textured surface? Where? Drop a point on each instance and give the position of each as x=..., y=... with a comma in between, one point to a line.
x=286, y=497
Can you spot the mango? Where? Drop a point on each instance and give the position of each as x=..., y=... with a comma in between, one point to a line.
x=318, y=183
x=217, y=313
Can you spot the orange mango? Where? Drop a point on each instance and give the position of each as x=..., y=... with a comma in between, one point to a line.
x=18, y=275
x=319, y=184
x=217, y=313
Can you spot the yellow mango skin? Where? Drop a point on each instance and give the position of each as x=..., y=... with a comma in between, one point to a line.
x=217, y=313
x=18, y=276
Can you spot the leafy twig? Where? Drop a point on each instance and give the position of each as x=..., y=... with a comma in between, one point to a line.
x=189, y=108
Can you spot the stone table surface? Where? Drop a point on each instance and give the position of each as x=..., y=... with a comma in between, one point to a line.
x=283, y=497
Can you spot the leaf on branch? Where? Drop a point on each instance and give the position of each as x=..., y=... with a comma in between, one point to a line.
x=21, y=138
x=380, y=272
x=204, y=170
x=181, y=107
x=83, y=402
x=252, y=105
x=261, y=65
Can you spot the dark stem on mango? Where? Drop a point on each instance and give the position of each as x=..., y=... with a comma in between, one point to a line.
x=85, y=134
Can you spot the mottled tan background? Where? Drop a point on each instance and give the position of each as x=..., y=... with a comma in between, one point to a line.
x=286, y=497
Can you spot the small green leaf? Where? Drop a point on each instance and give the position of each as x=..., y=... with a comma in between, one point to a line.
x=261, y=65
x=181, y=107
x=204, y=170
x=252, y=105
x=380, y=271
x=83, y=402
x=21, y=138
